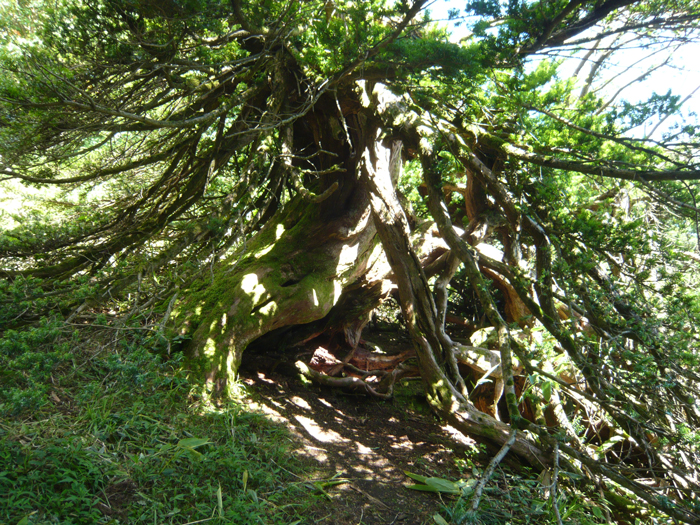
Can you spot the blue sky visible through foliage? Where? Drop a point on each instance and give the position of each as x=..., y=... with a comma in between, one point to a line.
x=671, y=69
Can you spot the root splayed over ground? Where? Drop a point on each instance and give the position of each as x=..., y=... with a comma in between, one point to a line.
x=359, y=447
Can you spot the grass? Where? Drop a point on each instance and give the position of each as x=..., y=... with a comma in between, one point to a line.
x=101, y=426
x=96, y=428
x=523, y=499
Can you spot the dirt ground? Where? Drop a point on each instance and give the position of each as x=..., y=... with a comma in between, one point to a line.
x=363, y=444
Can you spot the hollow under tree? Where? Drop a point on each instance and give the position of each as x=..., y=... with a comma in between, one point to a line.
x=236, y=165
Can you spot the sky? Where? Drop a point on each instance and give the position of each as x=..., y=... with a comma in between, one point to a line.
x=681, y=75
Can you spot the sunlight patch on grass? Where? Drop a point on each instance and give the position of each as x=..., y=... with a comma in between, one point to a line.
x=118, y=434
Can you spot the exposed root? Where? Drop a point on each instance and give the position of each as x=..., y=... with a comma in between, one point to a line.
x=353, y=383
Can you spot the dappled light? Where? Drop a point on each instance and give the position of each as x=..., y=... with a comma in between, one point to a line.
x=251, y=286
x=365, y=444
x=316, y=433
x=459, y=255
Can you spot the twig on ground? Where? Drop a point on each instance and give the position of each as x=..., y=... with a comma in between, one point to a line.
x=476, y=498
x=342, y=382
x=555, y=476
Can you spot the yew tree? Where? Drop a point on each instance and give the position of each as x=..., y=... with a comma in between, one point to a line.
x=233, y=174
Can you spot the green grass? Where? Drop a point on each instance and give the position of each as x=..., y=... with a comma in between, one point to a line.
x=100, y=429
x=522, y=499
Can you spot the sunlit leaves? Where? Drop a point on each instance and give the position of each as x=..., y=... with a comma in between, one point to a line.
x=656, y=106
x=333, y=35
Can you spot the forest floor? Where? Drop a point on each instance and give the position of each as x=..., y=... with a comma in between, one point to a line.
x=109, y=431
x=358, y=448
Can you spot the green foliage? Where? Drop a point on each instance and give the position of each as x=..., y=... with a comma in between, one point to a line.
x=435, y=57
x=166, y=128
x=94, y=435
x=28, y=358
x=439, y=485
x=409, y=183
x=346, y=34
x=519, y=499
x=657, y=105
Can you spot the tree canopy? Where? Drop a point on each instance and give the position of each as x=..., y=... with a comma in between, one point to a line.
x=228, y=172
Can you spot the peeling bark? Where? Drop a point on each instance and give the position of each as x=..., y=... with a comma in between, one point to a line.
x=420, y=314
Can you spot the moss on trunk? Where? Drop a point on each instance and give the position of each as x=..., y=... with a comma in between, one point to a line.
x=293, y=272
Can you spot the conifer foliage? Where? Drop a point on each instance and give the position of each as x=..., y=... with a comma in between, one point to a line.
x=219, y=171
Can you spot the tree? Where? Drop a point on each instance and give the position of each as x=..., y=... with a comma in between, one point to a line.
x=236, y=165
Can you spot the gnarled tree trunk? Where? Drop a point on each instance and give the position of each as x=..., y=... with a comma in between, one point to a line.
x=294, y=270
x=419, y=310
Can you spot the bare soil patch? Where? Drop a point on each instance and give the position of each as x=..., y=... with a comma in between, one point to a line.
x=359, y=447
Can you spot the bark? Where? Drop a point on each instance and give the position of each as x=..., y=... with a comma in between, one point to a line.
x=419, y=309
x=293, y=273
x=294, y=270
x=439, y=213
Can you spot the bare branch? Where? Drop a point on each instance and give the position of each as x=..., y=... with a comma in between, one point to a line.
x=602, y=171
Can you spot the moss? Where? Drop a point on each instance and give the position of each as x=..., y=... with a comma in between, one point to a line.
x=489, y=432
x=289, y=275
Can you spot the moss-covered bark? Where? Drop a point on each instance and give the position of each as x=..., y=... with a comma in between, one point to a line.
x=293, y=273
x=421, y=314
x=294, y=270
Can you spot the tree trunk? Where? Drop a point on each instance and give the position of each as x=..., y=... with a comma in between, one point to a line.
x=295, y=268
x=380, y=167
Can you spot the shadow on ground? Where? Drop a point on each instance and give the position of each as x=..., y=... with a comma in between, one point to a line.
x=362, y=444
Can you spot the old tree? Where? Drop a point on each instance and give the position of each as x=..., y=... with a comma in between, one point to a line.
x=267, y=173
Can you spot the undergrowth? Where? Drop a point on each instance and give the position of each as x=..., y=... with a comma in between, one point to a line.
x=97, y=427
x=524, y=497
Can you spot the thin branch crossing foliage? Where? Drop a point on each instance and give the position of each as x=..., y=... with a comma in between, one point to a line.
x=227, y=175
